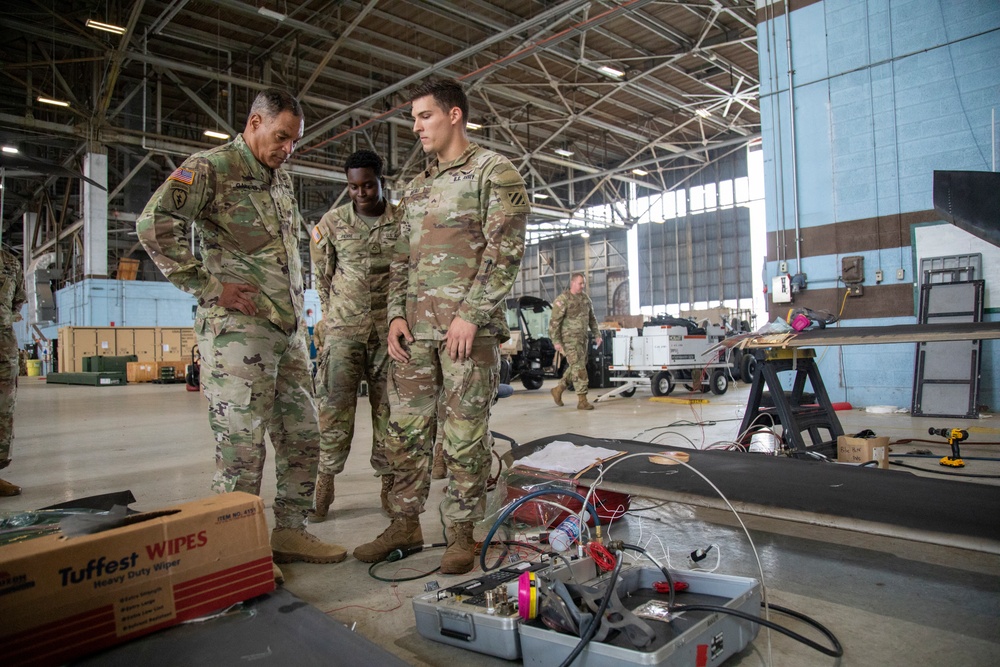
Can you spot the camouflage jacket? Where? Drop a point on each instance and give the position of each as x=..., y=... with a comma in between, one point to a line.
x=11, y=288
x=572, y=316
x=248, y=225
x=461, y=239
x=351, y=262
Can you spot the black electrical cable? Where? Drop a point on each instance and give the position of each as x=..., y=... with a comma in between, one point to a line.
x=595, y=622
x=942, y=472
x=836, y=652
x=665, y=571
x=397, y=555
x=938, y=456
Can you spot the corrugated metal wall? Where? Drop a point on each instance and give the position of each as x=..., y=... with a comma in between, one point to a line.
x=548, y=266
x=701, y=257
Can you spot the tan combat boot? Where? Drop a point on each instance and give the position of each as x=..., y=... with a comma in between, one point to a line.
x=439, y=470
x=403, y=533
x=460, y=556
x=295, y=544
x=557, y=392
x=7, y=489
x=387, y=481
x=582, y=404
x=322, y=499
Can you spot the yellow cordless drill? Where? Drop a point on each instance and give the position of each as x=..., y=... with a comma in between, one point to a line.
x=955, y=436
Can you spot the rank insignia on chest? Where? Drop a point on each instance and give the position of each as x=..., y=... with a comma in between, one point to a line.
x=182, y=175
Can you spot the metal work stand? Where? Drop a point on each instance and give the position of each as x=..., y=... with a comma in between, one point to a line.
x=788, y=410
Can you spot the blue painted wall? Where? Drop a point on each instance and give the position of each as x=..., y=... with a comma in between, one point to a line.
x=128, y=303
x=885, y=93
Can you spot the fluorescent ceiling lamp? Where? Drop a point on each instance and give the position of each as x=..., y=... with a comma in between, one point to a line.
x=611, y=71
x=106, y=27
x=539, y=195
x=585, y=234
x=473, y=126
x=11, y=150
x=55, y=103
x=704, y=113
x=565, y=152
x=215, y=135
x=271, y=14
x=640, y=172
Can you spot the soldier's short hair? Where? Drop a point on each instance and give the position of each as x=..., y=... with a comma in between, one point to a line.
x=447, y=93
x=577, y=275
x=364, y=159
x=271, y=102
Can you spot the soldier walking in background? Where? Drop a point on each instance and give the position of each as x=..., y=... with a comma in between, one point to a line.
x=249, y=324
x=461, y=239
x=351, y=250
x=572, y=323
x=11, y=299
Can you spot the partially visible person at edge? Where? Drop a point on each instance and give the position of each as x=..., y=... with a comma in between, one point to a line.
x=255, y=360
x=573, y=322
x=351, y=250
x=11, y=299
x=462, y=225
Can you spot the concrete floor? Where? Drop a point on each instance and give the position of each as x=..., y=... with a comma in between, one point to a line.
x=890, y=601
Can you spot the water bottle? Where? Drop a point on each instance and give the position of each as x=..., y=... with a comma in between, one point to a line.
x=566, y=533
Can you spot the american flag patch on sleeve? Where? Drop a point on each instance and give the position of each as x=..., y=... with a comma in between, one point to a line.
x=185, y=176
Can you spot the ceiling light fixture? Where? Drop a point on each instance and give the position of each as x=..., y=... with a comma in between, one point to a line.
x=565, y=152
x=216, y=135
x=611, y=71
x=53, y=102
x=271, y=14
x=106, y=27
x=585, y=234
x=704, y=113
x=640, y=172
x=539, y=195
x=10, y=150
x=473, y=126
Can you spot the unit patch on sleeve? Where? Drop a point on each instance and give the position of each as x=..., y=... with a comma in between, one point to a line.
x=179, y=197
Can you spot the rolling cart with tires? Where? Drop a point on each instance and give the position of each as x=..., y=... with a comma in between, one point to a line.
x=663, y=356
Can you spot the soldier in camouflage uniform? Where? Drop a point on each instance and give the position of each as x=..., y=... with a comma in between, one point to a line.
x=461, y=239
x=255, y=360
x=351, y=250
x=11, y=299
x=572, y=322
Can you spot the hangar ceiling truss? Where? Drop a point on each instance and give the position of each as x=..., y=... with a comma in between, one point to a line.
x=587, y=97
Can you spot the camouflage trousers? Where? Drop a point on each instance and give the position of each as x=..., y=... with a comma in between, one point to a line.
x=257, y=380
x=8, y=392
x=465, y=390
x=343, y=365
x=576, y=354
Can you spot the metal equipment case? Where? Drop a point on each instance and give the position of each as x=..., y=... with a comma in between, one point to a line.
x=692, y=638
x=458, y=615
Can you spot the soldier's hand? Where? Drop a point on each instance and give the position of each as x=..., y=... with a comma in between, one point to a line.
x=237, y=296
x=558, y=347
x=598, y=341
x=458, y=340
x=399, y=329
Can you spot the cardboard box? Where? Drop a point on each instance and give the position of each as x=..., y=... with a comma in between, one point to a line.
x=862, y=450
x=61, y=598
